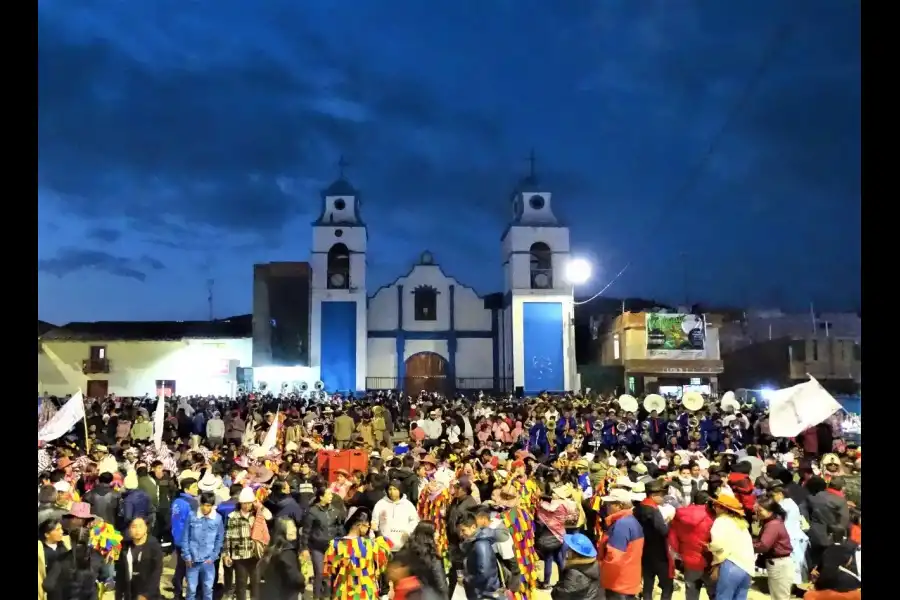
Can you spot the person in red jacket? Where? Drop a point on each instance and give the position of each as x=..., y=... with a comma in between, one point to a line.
x=689, y=533
x=742, y=486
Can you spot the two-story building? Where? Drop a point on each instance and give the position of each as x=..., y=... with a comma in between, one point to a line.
x=777, y=363
x=662, y=352
x=144, y=358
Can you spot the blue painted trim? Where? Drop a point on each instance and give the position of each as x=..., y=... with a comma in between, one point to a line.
x=451, y=336
x=452, y=340
x=444, y=334
x=495, y=333
x=400, y=339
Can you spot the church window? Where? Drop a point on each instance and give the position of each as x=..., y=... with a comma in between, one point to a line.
x=338, y=269
x=338, y=233
x=541, y=266
x=536, y=202
x=425, y=303
x=340, y=204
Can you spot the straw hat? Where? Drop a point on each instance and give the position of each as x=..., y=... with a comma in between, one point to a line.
x=729, y=503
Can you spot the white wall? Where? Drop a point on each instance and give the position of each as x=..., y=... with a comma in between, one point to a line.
x=383, y=309
x=198, y=366
x=570, y=376
x=474, y=358
x=315, y=335
x=471, y=315
x=382, y=357
x=470, y=312
x=416, y=346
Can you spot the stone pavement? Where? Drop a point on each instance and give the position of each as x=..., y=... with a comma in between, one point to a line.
x=169, y=571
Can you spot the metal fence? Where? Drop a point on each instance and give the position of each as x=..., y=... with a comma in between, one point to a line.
x=442, y=384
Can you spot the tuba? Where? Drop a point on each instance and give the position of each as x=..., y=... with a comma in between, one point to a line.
x=304, y=386
x=320, y=386
x=621, y=427
x=241, y=390
x=285, y=386
x=693, y=422
x=672, y=427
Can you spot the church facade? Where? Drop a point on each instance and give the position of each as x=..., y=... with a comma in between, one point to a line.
x=427, y=330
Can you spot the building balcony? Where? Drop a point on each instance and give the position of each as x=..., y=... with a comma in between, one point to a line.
x=93, y=366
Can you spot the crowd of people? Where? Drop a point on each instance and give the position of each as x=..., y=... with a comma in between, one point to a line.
x=486, y=494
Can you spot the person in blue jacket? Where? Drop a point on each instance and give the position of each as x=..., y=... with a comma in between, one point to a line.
x=201, y=546
x=482, y=574
x=537, y=437
x=182, y=508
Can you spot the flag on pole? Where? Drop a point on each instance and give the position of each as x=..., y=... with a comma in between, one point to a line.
x=271, y=436
x=64, y=419
x=159, y=419
x=793, y=410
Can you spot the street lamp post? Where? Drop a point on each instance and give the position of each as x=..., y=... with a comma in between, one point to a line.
x=577, y=272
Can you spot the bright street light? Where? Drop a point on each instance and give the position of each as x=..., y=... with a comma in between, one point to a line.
x=578, y=271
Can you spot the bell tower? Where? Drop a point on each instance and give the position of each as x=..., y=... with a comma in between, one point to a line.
x=539, y=306
x=339, y=288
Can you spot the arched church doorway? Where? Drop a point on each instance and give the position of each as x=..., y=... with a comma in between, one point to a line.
x=425, y=371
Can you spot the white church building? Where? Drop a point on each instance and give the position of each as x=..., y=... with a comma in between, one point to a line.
x=426, y=330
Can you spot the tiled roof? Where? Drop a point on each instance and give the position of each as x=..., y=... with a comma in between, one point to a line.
x=240, y=326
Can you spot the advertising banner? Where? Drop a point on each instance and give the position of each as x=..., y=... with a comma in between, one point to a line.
x=677, y=336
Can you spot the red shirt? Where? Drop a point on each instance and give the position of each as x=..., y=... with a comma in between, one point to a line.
x=774, y=541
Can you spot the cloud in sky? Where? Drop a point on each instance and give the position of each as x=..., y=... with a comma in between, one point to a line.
x=202, y=132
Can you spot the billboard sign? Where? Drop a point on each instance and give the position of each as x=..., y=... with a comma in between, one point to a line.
x=676, y=336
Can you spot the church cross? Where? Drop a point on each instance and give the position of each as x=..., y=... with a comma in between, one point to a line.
x=532, y=160
x=342, y=164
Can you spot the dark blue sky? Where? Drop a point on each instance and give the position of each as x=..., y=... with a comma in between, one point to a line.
x=182, y=141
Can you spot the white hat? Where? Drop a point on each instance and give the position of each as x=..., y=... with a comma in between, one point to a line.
x=619, y=495
x=623, y=481
x=209, y=482
x=246, y=496
x=131, y=481
x=62, y=486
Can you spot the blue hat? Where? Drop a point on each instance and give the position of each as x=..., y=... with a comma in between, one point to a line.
x=580, y=544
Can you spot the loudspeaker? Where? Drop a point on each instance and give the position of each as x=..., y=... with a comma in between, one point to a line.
x=520, y=392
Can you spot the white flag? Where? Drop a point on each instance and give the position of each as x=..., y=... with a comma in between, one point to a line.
x=64, y=419
x=159, y=420
x=271, y=436
x=793, y=410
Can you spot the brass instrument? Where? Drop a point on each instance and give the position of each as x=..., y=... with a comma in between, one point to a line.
x=645, y=425
x=304, y=386
x=693, y=422
x=672, y=427
x=320, y=386
x=621, y=427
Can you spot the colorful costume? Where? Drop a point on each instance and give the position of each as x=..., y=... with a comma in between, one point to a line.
x=527, y=490
x=106, y=540
x=521, y=528
x=432, y=507
x=355, y=566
